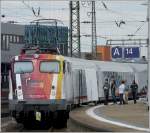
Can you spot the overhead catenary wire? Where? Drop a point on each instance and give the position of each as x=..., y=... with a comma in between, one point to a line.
x=108, y=37
x=105, y=35
x=27, y=6
x=118, y=23
x=33, y=10
x=45, y=8
x=115, y=12
x=129, y=21
x=138, y=29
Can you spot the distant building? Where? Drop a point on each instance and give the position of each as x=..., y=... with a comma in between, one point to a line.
x=12, y=40
x=103, y=53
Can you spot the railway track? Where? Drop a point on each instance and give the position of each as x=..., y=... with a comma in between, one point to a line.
x=15, y=127
x=49, y=130
x=72, y=126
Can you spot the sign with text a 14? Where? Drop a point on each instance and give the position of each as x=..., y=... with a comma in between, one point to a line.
x=128, y=52
x=131, y=52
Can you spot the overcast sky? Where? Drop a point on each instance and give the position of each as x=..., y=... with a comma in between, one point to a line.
x=134, y=14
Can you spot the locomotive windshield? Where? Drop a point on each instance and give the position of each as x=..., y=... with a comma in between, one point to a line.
x=50, y=66
x=23, y=67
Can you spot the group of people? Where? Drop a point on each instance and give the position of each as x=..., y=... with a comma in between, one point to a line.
x=122, y=91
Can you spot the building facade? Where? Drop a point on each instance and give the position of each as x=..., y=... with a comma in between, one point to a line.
x=12, y=40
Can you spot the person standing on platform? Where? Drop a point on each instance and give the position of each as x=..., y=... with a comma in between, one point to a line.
x=113, y=91
x=121, y=91
x=126, y=92
x=106, y=91
x=134, y=90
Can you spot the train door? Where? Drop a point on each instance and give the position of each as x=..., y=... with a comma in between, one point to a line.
x=91, y=82
x=100, y=83
x=79, y=86
x=67, y=84
x=75, y=85
x=82, y=87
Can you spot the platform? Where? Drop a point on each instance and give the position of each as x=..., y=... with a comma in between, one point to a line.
x=114, y=118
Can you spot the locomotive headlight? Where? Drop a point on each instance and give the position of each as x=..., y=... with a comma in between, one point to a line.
x=53, y=87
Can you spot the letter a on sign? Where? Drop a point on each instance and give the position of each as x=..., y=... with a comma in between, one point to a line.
x=116, y=52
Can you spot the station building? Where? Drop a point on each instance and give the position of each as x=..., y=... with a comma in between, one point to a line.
x=12, y=40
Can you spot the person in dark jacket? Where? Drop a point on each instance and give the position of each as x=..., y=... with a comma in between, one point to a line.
x=134, y=90
x=113, y=91
x=106, y=91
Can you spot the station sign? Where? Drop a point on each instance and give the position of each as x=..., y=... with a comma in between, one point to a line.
x=131, y=52
x=127, y=52
x=116, y=52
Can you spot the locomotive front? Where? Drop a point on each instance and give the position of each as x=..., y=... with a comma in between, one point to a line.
x=36, y=89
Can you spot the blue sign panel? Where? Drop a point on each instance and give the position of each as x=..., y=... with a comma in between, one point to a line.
x=116, y=52
x=131, y=52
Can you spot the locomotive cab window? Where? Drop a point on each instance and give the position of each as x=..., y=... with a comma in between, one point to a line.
x=23, y=67
x=50, y=66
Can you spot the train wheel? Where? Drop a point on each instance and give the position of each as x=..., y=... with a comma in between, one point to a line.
x=95, y=103
x=28, y=125
x=60, y=123
x=19, y=117
x=18, y=120
x=44, y=125
x=61, y=120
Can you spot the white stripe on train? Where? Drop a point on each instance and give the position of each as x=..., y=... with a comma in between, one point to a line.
x=19, y=87
x=10, y=87
x=18, y=90
x=54, y=87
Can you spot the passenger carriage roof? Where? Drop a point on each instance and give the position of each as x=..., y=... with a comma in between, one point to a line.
x=91, y=64
x=106, y=66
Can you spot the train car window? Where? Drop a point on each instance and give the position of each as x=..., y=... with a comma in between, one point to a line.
x=23, y=67
x=50, y=66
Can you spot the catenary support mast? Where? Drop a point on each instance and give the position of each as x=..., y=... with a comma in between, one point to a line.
x=74, y=42
x=94, y=36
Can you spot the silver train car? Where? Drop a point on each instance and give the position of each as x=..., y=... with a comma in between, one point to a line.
x=47, y=86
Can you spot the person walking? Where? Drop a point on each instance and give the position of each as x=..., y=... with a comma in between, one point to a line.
x=106, y=87
x=121, y=91
x=113, y=91
x=134, y=90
